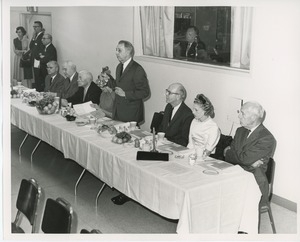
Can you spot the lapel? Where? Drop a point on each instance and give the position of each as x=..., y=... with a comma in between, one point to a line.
x=177, y=114
x=126, y=69
x=254, y=135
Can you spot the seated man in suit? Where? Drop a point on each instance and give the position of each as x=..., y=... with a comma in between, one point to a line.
x=87, y=90
x=55, y=82
x=252, y=146
x=69, y=71
x=193, y=48
x=177, y=115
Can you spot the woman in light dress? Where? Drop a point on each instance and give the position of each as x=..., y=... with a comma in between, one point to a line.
x=204, y=132
x=20, y=45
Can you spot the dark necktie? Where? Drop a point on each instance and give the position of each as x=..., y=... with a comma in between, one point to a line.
x=121, y=70
x=51, y=79
x=170, y=118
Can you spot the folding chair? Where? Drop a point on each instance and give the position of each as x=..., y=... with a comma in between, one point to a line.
x=27, y=202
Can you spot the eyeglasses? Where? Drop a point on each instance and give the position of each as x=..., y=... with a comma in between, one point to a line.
x=45, y=38
x=36, y=26
x=169, y=92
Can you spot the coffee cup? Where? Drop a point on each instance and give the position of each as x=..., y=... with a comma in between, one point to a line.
x=133, y=124
x=160, y=135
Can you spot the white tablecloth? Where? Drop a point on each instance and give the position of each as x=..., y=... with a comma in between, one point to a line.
x=222, y=203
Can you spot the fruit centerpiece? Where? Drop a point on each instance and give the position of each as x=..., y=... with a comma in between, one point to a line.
x=121, y=137
x=46, y=104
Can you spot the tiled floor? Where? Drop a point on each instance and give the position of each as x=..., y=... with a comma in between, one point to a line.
x=57, y=176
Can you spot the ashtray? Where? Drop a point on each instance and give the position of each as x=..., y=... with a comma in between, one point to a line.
x=70, y=117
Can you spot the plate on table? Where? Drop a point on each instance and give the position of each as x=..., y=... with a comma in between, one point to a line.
x=81, y=122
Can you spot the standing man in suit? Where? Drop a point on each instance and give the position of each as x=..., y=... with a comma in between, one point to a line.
x=252, y=146
x=48, y=54
x=177, y=115
x=55, y=82
x=87, y=90
x=131, y=86
x=36, y=47
x=69, y=71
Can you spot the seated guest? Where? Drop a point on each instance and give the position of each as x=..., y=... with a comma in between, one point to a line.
x=87, y=90
x=204, y=132
x=55, y=82
x=107, y=96
x=69, y=70
x=177, y=115
x=252, y=146
x=193, y=48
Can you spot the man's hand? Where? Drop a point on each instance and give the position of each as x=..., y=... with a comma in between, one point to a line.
x=64, y=102
x=257, y=163
x=120, y=92
x=225, y=150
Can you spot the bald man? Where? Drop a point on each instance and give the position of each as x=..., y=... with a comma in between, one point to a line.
x=253, y=145
x=177, y=115
x=71, y=74
x=87, y=90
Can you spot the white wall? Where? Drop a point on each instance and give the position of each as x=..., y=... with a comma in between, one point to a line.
x=273, y=81
x=89, y=35
x=86, y=35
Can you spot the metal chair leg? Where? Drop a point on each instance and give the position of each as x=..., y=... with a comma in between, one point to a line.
x=78, y=180
x=99, y=193
x=22, y=144
x=271, y=219
x=34, y=150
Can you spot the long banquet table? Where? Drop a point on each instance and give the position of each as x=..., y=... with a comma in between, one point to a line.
x=203, y=203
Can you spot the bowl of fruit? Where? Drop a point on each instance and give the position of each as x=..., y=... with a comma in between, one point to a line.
x=46, y=104
x=121, y=137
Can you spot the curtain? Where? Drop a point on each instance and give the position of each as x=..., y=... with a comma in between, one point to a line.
x=157, y=30
x=241, y=25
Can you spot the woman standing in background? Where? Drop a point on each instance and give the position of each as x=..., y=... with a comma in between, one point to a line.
x=22, y=70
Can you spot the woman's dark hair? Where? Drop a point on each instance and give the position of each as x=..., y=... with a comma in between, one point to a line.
x=22, y=30
x=206, y=105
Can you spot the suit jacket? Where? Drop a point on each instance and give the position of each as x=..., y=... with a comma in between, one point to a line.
x=245, y=151
x=59, y=84
x=36, y=47
x=93, y=94
x=177, y=130
x=72, y=87
x=134, y=83
x=192, y=50
x=50, y=55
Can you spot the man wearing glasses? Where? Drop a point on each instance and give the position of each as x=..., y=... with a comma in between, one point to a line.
x=177, y=115
x=36, y=47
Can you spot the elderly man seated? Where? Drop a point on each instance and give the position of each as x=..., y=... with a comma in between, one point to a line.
x=55, y=82
x=87, y=90
x=252, y=146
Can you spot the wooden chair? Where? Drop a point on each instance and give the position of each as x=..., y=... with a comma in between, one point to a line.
x=57, y=216
x=27, y=202
x=267, y=208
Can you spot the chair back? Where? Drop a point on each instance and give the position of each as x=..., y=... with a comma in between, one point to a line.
x=225, y=140
x=156, y=120
x=93, y=231
x=270, y=174
x=28, y=198
x=57, y=216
